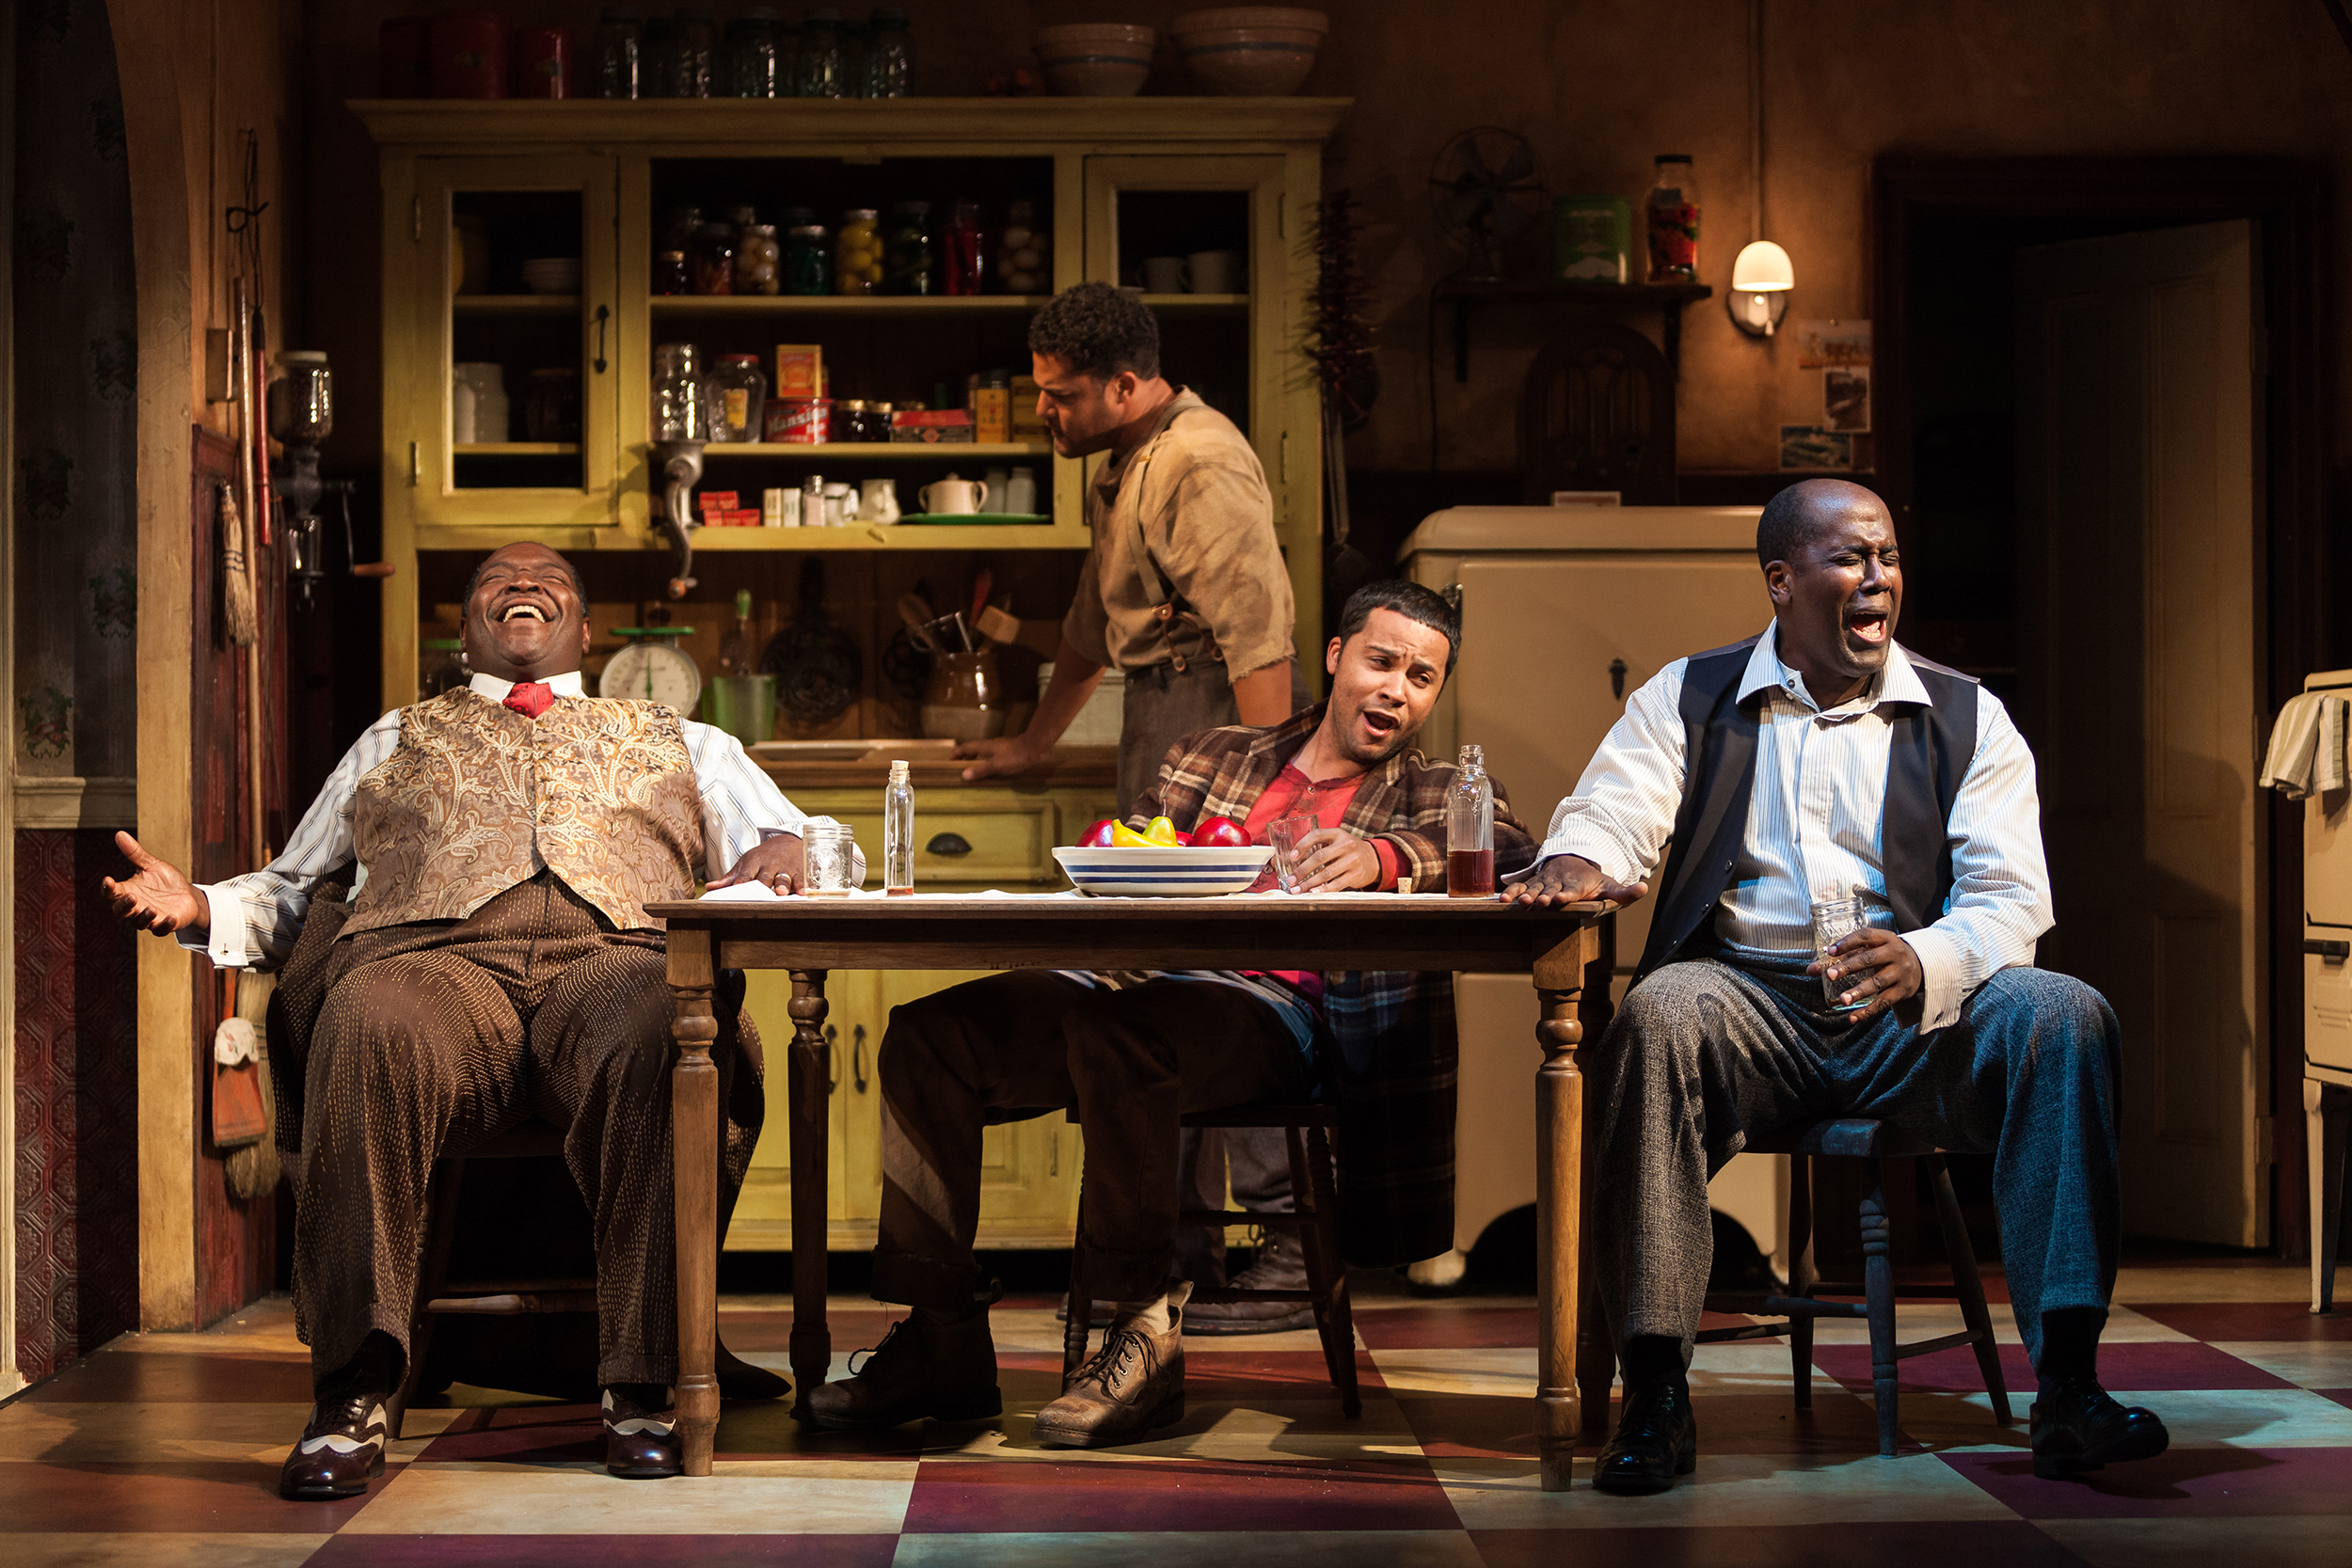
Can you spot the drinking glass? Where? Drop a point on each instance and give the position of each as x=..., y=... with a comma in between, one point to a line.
x=1286, y=833
x=1835, y=919
x=827, y=858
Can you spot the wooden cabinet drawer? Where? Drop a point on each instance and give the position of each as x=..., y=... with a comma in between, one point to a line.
x=975, y=841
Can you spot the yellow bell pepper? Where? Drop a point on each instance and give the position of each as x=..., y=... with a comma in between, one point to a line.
x=1162, y=833
x=1124, y=837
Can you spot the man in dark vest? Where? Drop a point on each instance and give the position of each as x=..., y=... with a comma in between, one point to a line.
x=1821, y=761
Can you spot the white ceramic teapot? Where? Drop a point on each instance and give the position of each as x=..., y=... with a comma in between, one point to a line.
x=952, y=496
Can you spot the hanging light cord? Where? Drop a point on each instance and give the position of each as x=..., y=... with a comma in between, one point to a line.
x=1755, y=115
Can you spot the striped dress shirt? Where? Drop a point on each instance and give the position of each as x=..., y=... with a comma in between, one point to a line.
x=256, y=917
x=1813, y=829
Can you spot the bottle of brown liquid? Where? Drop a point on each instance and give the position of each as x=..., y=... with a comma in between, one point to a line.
x=1469, y=829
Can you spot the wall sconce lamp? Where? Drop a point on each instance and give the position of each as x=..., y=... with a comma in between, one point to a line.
x=1760, y=281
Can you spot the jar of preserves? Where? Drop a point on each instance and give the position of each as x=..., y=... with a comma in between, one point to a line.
x=678, y=414
x=697, y=44
x=670, y=274
x=758, y=260
x=857, y=267
x=806, y=262
x=878, y=421
x=907, y=255
x=619, y=37
x=889, y=56
x=714, y=259
x=849, y=416
x=818, y=72
x=964, y=251
x=736, y=396
x=750, y=55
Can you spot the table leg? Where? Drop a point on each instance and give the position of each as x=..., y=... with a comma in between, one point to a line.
x=694, y=1151
x=1595, y=1356
x=1559, y=1198
x=811, y=1070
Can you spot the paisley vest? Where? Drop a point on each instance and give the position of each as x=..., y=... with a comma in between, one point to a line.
x=477, y=798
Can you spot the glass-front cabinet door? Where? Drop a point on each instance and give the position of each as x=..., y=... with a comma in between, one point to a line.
x=1220, y=245
x=512, y=350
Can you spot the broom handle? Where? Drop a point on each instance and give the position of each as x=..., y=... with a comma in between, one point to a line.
x=258, y=838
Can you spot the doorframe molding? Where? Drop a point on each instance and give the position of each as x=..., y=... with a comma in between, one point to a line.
x=2290, y=202
x=11, y=1378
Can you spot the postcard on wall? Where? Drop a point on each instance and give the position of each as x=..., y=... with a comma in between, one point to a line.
x=1809, y=448
x=1822, y=343
x=1846, y=399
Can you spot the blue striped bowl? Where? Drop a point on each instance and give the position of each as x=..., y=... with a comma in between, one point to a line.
x=1177, y=872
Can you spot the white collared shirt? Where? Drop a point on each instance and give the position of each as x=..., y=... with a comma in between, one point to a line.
x=256, y=917
x=1814, y=821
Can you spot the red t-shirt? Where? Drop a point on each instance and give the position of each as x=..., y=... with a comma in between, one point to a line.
x=1328, y=803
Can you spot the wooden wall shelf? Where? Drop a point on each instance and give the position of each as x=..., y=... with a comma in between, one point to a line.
x=1668, y=299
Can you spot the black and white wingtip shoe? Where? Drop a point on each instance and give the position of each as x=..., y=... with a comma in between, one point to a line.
x=340, y=1451
x=639, y=1443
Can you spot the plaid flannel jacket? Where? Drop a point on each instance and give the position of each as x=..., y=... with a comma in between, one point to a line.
x=1392, y=1041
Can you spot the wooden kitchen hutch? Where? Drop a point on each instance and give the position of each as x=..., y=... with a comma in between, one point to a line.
x=472, y=190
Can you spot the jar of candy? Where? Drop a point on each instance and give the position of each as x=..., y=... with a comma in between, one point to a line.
x=670, y=274
x=714, y=259
x=805, y=260
x=619, y=33
x=907, y=255
x=1673, y=221
x=889, y=66
x=678, y=414
x=751, y=71
x=736, y=397
x=758, y=260
x=857, y=251
x=818, y=71
x=966, y=247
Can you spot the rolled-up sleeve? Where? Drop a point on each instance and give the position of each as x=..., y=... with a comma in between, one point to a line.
x=1623, y=810
x=2000, y=899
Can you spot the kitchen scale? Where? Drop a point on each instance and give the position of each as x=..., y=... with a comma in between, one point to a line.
x=651, y=668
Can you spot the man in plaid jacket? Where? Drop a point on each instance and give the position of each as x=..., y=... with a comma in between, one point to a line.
x=1134, y=1053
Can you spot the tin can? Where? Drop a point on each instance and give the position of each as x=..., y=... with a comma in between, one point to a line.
x=469, y=54
x=543, y=62
x=802, y=422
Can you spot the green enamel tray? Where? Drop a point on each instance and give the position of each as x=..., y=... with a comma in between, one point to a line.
x=970, y=518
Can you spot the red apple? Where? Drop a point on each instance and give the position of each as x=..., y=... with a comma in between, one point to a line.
x=1219, y=832
x=1098, y=836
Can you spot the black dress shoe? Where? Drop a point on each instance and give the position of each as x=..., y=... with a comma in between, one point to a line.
x=340, y=1451
x=921, y=1372
x=639, y=1443
x=2081, y=1427
x=1658, y=1439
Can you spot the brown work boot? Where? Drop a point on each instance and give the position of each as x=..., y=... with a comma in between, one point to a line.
x=1133, y=1385
x=1280, y=1265
x=924, y=1369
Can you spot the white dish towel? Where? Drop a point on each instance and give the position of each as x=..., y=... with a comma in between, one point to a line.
x=2307, y=746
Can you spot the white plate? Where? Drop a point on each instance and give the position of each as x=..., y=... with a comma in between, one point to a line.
x=1163, y=873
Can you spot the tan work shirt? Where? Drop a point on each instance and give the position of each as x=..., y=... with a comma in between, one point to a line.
x=1191, y=493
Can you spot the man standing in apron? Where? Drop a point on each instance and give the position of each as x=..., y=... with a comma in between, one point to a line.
x=1185, y=591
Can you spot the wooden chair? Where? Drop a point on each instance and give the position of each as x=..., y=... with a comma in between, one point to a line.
x=1597, y=412
x=1307, y=1127
x=1860, y=1138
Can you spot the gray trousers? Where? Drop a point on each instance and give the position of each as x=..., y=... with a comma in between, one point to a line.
x=1705, y=1055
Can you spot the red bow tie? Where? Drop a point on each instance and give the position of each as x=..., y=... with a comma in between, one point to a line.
x=531, y=698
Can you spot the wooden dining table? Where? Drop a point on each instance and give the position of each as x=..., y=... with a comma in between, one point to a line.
x=1565, y=950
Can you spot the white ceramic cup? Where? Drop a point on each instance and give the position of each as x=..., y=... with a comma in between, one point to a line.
x=958, y=496
x=1216, y=272
x=880, y=501
x=1164, y=275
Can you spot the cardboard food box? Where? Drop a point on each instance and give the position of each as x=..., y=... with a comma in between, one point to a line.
x=991, y=415
x=715, y=500
x=932, y=425
x=799, y=370
x=1026, y=425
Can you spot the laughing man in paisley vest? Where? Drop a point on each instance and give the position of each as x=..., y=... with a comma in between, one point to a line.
x=493, y=964
x=1819, y=762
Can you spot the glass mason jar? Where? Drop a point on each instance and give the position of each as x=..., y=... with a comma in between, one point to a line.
x=818, y=71
x=751, y=69
x=850, y=413
x=678, y=414
x=907, y=254
x=619, y=39
x=1673, y=221
x=736, y=396
x=857, y=253
x=806, y=262
x=758, y=260
x=302, y=398
x=965, y=251
x=713, y=259
x=889, y=67
x=671, y=275
x=697, y=43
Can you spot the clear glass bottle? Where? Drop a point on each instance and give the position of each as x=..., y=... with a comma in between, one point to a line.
x=678, y=414
x=818, y=72
x=889, y=71
x=737, y=398
x=898, y=833
x=619, y=41
x=1469, y=829
x=1673, y=221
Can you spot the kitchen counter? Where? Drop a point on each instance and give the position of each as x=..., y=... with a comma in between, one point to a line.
x=1067, y=768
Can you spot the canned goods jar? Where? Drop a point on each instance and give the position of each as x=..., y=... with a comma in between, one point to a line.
x=738, y=391
x=857, y=267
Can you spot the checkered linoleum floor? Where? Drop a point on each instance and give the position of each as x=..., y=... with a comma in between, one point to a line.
x=165, y=1450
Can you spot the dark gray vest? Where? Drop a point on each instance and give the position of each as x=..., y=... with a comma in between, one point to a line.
x=1932, y=746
